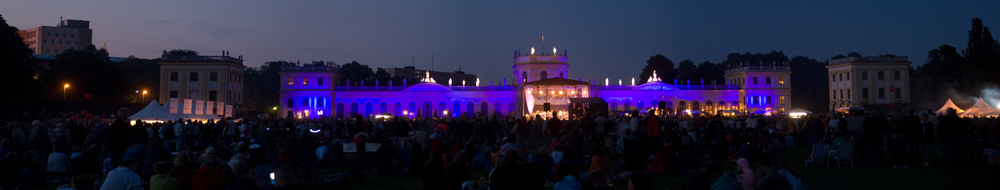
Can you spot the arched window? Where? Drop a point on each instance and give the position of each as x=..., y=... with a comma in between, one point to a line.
x=397, y=109
x=627, y=105
x=524, y=77
x=543, y=76
x=736, y=104
x=457, y=109
x=613, y=105
x=472, y=109
x=681, y=106
x=669, y=107
x=484, y=108
x=496, y=107
x=561, y=75
x=428, y=109
x=442, y=106
x=368, y=109
x=354, y=109
x=383, y=108
x=640, y=106
x=722, y=105
x=709, y=106
x=340, y=110
x=412, y=108
x=654, y=104
x=695, y=106
x=511, y=107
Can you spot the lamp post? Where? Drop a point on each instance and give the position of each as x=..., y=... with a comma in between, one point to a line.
x=64, y=90
x=144, y=96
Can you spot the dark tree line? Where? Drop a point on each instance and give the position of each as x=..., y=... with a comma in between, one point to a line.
x=967, y=71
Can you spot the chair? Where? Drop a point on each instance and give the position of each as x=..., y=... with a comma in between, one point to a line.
x=819, y=154
x=844, y=152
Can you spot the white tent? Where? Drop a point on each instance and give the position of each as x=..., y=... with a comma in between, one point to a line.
x=153, y=111
x=949, y=104
x=798, y=112
x=979, y=109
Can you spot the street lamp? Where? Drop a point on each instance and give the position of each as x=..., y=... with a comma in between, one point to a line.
x=144, y=96
x=64, y=90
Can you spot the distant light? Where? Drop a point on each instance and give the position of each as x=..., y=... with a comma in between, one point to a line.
x=553, y=50
x=532, y=50
x=143, y=92
x=314, y=130
x=66, y=86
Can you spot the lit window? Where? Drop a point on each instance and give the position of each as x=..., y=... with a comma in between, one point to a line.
x=781, y=99
x=291, y=81
x=781, y=80
x=305, y=81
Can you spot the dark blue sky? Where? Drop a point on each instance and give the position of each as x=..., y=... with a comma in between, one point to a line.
x=604, y=38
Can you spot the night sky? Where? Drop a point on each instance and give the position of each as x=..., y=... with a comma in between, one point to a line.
x=604, y=38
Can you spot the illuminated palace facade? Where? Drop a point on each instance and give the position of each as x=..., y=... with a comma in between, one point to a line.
x=542, y=84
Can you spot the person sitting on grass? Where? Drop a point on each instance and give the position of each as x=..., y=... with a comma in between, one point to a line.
x=990, y=153
x=728, y=181
x=163, y=179
x=124, y=177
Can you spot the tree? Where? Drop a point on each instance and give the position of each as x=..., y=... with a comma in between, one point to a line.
x=382, y=77
x=662, y=65
x=982, y=58
x=356, y=73
x=687, y=70
x=87, y=71
x=709, y=72
x=261, y=85
x=142, y=74
x=809, y=84
x=16, y=59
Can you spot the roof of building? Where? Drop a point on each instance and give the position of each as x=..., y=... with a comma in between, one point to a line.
x=556, y=81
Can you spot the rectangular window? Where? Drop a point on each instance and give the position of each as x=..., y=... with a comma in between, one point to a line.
x=213, y=76
x=45, y=40
x=289, y=102
x=194, y=77
x=768, y=100
x=305, y=102
x=173, y=76
x=305, y=81
x=833, y=78
x=291, y=81
x=864, y=93
x=848, y=93
x=848, y=75
x=781, y=100
x=767, y=80
x=899, y=93
x=212, y=95
x=781, y=80
x=834, y=94
x=841, y=77
x=173, y=94
x=755, y=81
x=881, y=93
x=896, y=75
x=864, y=75
x=841, y=93
x=72, y=35
x=319, y=81
x=881, y=75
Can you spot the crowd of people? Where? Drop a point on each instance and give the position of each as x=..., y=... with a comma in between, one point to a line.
x=516, y=152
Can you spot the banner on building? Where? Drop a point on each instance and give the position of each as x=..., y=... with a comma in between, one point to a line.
x=199, y=107
x=229, y=111
x=208, y=107
x=220, y=108
x=173, y=105
x=187, y=106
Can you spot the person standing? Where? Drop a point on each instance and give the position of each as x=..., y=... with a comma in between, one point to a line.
x=119, y=138
x=928, y=137
x=179, y=134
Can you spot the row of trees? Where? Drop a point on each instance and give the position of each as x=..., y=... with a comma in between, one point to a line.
x=969, y=71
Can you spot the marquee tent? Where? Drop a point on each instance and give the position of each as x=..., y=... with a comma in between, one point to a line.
x=949, y=104
x=979, y=109
x=153, y=111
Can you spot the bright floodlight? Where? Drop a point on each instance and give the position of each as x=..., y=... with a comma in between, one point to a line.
x=66, y=86
x=553, y=50
x=532, y=50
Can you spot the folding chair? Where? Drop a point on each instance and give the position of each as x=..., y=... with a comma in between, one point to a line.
x=819, y=154
x=844, y=152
